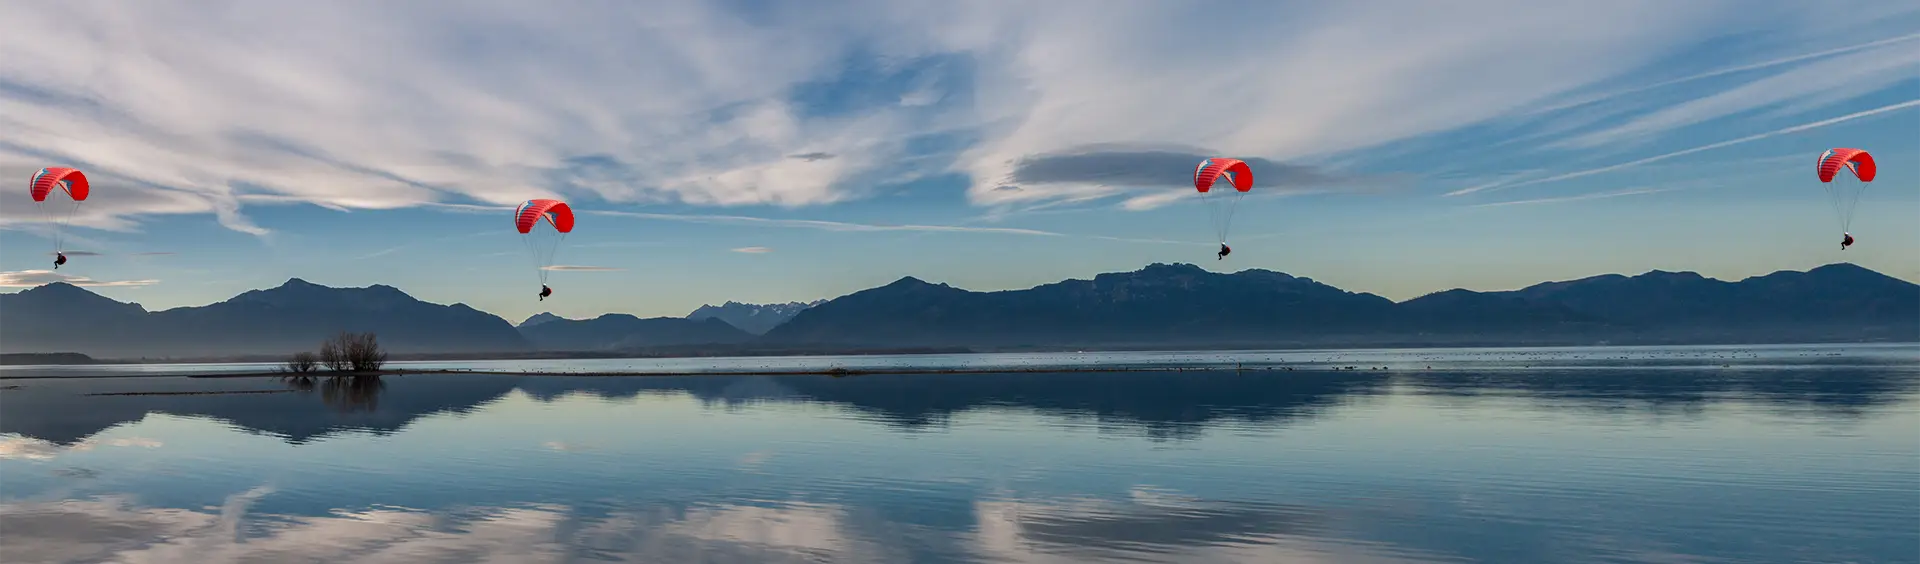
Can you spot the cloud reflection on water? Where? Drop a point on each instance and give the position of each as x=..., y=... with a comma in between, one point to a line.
x=1150, y=527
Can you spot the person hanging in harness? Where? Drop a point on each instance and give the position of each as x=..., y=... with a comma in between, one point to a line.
x=1845, y=240
x=1224, y=251
x=544, y=292
x=59, y=259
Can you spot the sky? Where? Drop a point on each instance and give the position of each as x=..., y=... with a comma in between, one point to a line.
x=776, y=151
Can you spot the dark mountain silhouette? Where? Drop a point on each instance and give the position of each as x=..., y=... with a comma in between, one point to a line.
x=295, y=316
x=1837, y=301
x=539, y=318
x=753, y=318
x=1186, y=306
x=45, y=359
x=1175, y=305
x=1160, y=306
x=61, y=317
x=618, y=331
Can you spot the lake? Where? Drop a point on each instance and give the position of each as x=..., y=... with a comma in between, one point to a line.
x=1711, y=454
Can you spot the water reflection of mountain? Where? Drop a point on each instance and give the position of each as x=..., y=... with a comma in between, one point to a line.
x=1163, y=404
x=1839, y=391
x=1158, y=404
x=59, y=411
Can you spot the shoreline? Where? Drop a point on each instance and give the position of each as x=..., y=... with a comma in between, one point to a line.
x=834, y=372
x=935, y=351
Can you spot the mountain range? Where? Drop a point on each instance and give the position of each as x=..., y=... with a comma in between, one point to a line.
x=753, y=318
x=1182, y=305
x=1161, y=305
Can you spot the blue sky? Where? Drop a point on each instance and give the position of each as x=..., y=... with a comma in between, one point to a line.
x=764, y=152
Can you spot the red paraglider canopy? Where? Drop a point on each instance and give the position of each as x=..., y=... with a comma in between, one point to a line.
x=69, y=180
x=1854, y=160
x=1210, y=170
x=555, y=212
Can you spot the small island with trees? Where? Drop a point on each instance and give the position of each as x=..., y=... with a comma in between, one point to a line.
x=344, y=354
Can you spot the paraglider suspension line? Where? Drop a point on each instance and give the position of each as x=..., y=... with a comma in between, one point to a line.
x=60, y=222
x=1845, y=197
x=1221, y=212
x=542, y=255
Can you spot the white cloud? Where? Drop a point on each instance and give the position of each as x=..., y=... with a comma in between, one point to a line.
x=1723, y=71
x=1592, y=196
x=1266, y=82
x=32, y=278
x=577, y=268
x=1802, y=88
x=1684, y=152
x=753, y=250
x=821, y=224
x=195, y=106
x=1153, y=201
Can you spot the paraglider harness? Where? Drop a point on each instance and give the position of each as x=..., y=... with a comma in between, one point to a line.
x=59, y=259
x=1224, y=251
x=544, y=292
x=1845, y=240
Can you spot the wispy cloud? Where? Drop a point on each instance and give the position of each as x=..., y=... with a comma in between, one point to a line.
x=576, y=268
x=1804, y=87
x=1699, y=149
x=418, y=243
x=1084, y=86
x=753, y=250
x=1154, y=177
x=75, y=253
x=348, y=106
x=32, y=278
x=818, y=224
x=1770, y=63
x=1153, y=201
x=1593, y=196
x=842, y=226
x=154, y=254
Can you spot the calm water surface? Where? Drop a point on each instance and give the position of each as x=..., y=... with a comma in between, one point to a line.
x=1764, y=356
x=1577, y=455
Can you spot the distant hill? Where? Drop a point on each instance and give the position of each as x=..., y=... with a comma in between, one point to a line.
x=1159, y=306
x=619, y=331
x=295, y=316
x=44, y=358
x=1836, y=302
x=1173, y=305
x=539, y=318
x=61, y=317
x=753, y=318
x=1186, y=306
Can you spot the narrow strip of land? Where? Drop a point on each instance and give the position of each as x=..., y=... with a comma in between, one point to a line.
x=789, y=372
x=199, y=393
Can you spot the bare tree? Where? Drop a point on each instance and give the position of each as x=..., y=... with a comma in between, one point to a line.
x=301, y=363
x=333, y=352
x=363, y=352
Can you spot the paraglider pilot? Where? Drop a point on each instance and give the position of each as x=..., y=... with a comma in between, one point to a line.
x=544, y=292
x=59, y=259
x=1845, y=240
x=1224, y=251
